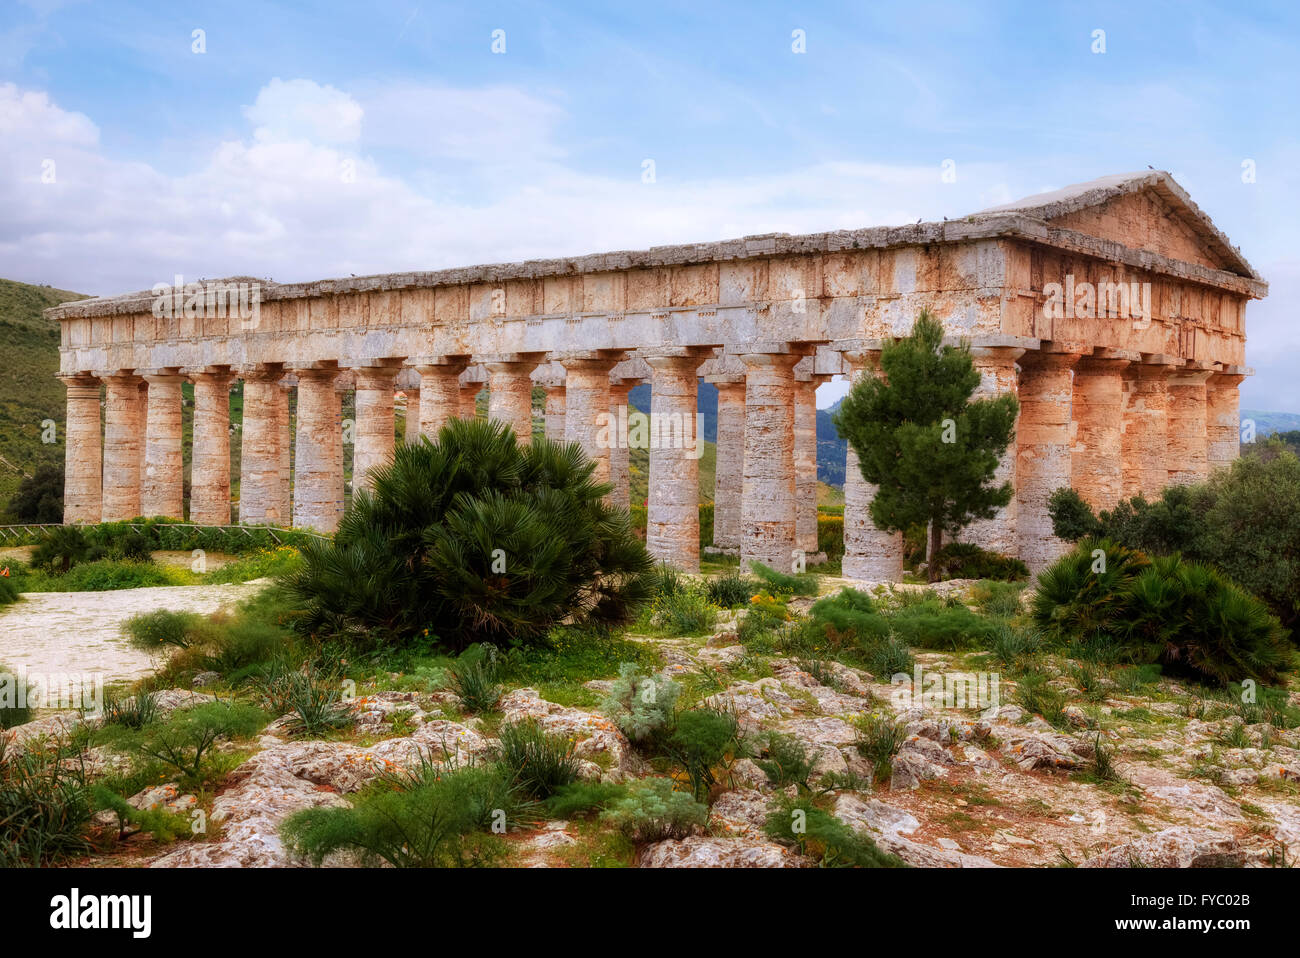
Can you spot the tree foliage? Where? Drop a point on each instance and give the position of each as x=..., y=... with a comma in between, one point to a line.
x=930, y=449
x=475, y=538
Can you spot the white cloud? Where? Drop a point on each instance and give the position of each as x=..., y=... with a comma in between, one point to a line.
x=304, y=110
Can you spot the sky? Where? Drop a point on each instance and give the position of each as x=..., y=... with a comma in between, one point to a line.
x=297, y=141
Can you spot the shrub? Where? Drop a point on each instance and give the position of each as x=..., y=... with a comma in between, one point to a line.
x=933, y=624
x=802, y=584
x=1012, y=645
x=440, y=818
x=110, y=575
x=849, y=616
x=8, y=590
x=1244, y=520
x=184, y=739
x=153, y=631
x=786, y=761
x=640, y=704
x=134, y=712
x=820, y=835
x=731, y=590
x=652, y=812
x=683, y=613
x=63, y=548
x=1185, y=616
x=703, y=739
x=311, y=697
x=14, y=710
x=886, y=658
x=276, y=562
x=134, y=546
x=582, y=798
x=539, y=762
x=45, y=807
x=964, y=560
x=163, y=825
x=477, y=539
x=473, y=679
x=830, y=536
x=998, y=599
x=1034, y=694
x=879, y=739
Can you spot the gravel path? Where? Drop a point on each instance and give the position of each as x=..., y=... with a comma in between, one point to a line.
x=81, y=631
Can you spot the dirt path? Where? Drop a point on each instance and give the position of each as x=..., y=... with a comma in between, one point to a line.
x=81, y=631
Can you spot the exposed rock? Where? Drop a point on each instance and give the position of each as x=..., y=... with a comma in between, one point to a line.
x=742, y=811
x=887, y=826
x=159, y=796
x=755, y=703
x=204, y=679
x=1207, y=802
x=1179, y=847
x=702, y=851
x=1031, y=748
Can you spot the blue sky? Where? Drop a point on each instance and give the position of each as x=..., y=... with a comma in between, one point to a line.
x=319, y=139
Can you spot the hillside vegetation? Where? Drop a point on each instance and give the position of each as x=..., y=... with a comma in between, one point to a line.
x=29, y=391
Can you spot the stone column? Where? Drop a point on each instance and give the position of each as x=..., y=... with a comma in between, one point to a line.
x=144, y=443
x=83, y=452
x=439, y=395
x=375, y=428
x=673, y=503
x=1188, y=459
x=469, y=399
x=259, y=462
x=1146, y=410
x=284, y=424
x=586, y=413
x=556, y=407
x=767, y=510
x=729, y=471
x=411, y=431
x=210, y=459
x=318, y=473
x=997, y=369
x=1097, y=471
x=1223, y=419
x=510, y=396
x=805, y=464
x=620, y=471
x=1043, y=460
x=162, y=487
x=870, y=553
x=123, y=433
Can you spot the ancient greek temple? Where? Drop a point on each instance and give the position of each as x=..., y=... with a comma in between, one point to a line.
x=1114, y=310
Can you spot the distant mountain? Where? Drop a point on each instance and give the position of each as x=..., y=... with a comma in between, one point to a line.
x=1267, y=423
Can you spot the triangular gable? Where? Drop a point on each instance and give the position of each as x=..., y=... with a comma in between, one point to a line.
x=1145, y=211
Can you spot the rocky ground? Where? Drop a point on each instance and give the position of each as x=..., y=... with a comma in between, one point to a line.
x=1000, y=787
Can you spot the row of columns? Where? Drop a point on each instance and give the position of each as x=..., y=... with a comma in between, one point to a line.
x=1111, y=424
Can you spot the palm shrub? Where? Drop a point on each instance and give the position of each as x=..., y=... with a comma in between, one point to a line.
x=1187, y=617
x=476, y=538
x=63, y=548
x=473, y=677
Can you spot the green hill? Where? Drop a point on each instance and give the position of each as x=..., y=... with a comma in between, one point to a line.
x=29, y=393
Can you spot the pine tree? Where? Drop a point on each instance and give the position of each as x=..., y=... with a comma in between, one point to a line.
x=928, y=448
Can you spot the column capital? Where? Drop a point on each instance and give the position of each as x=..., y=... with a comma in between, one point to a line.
x=375, y=377
x=260, y=372
x=81, y=381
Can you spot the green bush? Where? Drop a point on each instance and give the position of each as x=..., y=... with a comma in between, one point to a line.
x=312, y=698
x=964, y=560
x=998, y=599
x=109, y=575
x=476, y=538
x=1185, y=616
x=162, y=628
x=888, y=657
x=134, y=712
x=785, y=761
x=703, y=739
x=652, y=811
x=582, y=798
x=63, y=548
x=441, y=818
x=473, y=677
x=12, y=714
x=686, y=612
x=731, y=590
x=641, y=704
x=803, y=584
x=820, y=835
x=45, y=806
x=849, y=616
x=540, y=763
x=830, y=536
x=935, y=624
x=185, y=737
x=879, y=739
x=8, y=591
x=1244, y=520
